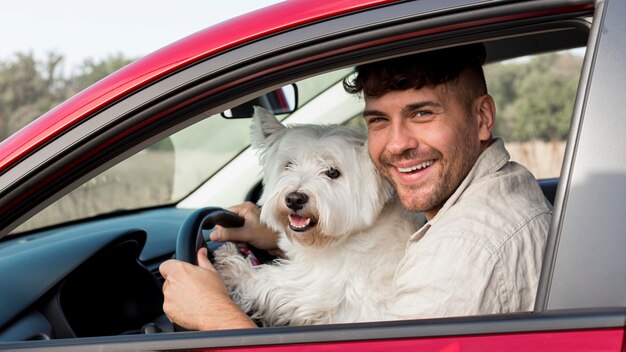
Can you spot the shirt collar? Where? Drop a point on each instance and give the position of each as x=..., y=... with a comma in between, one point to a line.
x=489, y=161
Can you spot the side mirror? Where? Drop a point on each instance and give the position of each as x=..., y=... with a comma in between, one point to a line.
x=280, y=101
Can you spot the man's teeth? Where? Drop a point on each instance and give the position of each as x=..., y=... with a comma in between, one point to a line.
x=416, y=167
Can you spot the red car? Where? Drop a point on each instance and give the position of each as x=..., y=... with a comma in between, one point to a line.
x=93, y=193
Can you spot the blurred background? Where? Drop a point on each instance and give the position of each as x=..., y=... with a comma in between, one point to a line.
x=50, y=50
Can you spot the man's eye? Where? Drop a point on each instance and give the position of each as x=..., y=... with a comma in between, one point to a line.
x=332, y=173
x=374, y=120
x=422, y=113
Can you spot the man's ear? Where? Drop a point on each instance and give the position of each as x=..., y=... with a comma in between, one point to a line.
x=486, y=115
x=264, y=124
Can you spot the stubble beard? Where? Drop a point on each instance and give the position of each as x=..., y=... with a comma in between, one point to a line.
x=432, y=196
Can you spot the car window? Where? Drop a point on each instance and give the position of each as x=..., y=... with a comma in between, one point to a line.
x=169, y=170
x=534, y=97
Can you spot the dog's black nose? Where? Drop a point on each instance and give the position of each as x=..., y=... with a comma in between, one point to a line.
x=296, y=200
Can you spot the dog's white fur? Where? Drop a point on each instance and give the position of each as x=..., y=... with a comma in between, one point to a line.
x=341, y=269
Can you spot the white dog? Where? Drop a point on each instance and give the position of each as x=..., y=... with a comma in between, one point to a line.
x=341, y=230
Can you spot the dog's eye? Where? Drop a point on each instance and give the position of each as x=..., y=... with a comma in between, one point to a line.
x=288, y=165
x=333, y=173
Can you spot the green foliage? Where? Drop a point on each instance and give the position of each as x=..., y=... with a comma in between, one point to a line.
x=27, y=88
x=30, y=87
x=534, y=97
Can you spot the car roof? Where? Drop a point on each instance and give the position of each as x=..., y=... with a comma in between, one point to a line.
x=193, y=48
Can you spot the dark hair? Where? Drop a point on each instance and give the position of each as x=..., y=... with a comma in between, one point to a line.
x=422, y=70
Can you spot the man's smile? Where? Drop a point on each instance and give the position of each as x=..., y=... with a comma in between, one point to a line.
x=410, y=172
x=409, y=169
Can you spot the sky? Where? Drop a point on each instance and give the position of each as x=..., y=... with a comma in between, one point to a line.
x=79, y=29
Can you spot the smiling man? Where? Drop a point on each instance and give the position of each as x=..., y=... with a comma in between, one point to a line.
x=429, y=121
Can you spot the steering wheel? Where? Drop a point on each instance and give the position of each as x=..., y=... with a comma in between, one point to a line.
x=190, y=238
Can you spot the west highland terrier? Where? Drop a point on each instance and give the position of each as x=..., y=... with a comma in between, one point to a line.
x=341, y=229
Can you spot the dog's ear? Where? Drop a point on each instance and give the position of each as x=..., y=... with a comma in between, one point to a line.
x=264, y=124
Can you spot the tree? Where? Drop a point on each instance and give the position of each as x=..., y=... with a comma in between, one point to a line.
x=535, y=97
x=30, y=87
x=27, y=89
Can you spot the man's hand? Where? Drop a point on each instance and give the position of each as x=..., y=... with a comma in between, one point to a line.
x=253, y=231
x=196, y=298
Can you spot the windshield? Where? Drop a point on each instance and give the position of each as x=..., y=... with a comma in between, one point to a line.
x=167, y=171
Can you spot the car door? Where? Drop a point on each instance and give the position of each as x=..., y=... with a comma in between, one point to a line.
x=581, y=300
x=585, y=264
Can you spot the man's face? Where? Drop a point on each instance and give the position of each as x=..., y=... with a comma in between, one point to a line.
x=425, y=142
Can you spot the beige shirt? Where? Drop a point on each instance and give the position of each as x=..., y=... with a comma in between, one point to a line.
x=482, y=252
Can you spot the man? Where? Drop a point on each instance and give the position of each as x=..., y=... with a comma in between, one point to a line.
x=429, y=121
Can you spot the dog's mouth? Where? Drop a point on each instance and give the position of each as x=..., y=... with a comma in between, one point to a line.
x=300, y=223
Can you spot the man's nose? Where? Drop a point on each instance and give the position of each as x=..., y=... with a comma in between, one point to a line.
x=401, y=139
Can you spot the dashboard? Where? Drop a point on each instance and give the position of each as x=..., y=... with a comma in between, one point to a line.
x=95, y=278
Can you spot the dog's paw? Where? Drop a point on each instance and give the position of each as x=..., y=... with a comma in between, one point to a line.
x=230, y=263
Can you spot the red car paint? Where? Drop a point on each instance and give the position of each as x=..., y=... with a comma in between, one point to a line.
x=565, y=341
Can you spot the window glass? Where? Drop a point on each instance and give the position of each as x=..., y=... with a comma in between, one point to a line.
x=169, y=170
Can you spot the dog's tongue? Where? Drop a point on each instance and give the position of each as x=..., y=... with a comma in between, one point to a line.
x=298, y=221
